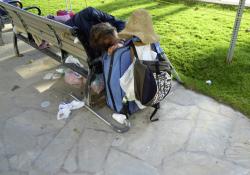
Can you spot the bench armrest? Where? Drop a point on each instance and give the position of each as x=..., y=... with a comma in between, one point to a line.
x=16, y=2
x=33, y=7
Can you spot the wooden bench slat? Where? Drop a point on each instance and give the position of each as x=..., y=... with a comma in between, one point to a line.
x=16, y=20
x=74, y=51
x=42, y=35
x=71, y=49
x=67, y=46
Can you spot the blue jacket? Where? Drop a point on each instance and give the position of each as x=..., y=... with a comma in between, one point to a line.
x=88, y=17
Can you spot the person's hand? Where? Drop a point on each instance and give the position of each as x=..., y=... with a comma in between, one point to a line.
x=50, y=17
x=113, y=48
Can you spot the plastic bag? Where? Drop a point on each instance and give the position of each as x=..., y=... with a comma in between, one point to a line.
x=98, y=84
x=73, y=78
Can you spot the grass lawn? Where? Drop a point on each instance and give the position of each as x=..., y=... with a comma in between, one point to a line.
x=196, y=39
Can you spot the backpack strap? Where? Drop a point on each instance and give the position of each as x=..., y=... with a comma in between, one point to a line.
x=156, y=106
x=157, y=48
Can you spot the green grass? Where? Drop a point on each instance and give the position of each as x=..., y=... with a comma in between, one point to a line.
x=196, y=38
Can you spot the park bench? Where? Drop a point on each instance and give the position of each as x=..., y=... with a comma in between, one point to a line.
x=63, y=38
x=4, y=19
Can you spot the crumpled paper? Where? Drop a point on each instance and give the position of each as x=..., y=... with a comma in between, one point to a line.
x=65, y=109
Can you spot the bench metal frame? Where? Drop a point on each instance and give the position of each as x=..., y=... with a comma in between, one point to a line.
x=62, y=37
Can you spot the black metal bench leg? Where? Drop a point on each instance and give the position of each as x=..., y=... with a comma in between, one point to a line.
x=16, y=46
x=1, y=27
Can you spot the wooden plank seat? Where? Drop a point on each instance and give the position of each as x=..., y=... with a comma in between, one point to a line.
x=63, y=38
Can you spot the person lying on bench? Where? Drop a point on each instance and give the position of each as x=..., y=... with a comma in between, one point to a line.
x=106, y=38
x=83, y=20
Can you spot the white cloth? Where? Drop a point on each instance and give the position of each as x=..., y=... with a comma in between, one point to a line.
x=145, y=53
x=127, y=85
x=65, y=109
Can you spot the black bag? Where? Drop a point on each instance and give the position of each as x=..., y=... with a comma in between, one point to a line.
x=162, y=74
x=145, y=85
x=152, y=80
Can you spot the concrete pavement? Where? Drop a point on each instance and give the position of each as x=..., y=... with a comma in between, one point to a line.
x=195, y=135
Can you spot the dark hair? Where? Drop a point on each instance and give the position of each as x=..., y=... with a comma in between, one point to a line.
x=100, y=35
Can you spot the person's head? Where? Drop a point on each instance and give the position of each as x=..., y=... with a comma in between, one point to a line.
x=103, y=36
